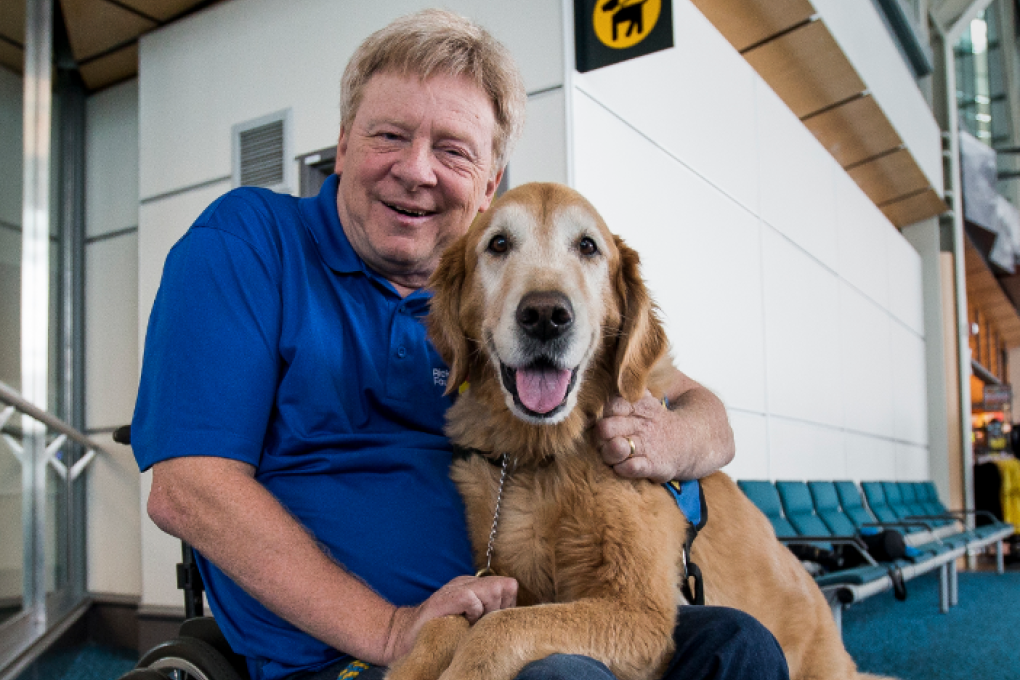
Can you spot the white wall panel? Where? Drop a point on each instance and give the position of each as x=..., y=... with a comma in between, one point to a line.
x=111, y=330
x=541, y=155
x=863, y=241
x=699, y=251
x=906, y=286
x=797, y=177
x=111, y=165
x=910, y=407
x=160, y=552
x=114, y=522
x=111, y=335
x=911, y=462
x=801, y=334
x=240, y=60
x=869, y=458
x=799, y=450
x=703, y=115
x=866, y=363
x=863, y=37
x=750, y=433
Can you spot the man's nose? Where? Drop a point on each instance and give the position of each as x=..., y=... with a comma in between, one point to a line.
x=414, y=167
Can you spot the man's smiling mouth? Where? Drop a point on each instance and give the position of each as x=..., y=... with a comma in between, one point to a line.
x=410, y=212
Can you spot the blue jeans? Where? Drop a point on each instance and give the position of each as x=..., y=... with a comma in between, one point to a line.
x=712, y=643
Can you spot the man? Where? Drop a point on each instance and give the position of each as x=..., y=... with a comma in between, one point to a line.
x=290, y=405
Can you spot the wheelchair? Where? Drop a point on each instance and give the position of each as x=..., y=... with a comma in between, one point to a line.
x=199, y=652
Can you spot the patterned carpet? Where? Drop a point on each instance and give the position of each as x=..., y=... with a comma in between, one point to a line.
x=977, y=640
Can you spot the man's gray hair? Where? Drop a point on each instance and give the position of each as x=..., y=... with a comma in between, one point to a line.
x=438, y=42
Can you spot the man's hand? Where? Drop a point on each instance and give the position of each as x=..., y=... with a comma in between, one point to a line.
x=689, y=440
x=468, y=596
x=639, y=439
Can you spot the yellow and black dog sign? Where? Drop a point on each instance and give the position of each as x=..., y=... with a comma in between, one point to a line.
x=611, y=31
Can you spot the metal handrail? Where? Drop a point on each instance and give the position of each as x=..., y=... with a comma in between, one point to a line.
x=15, y=402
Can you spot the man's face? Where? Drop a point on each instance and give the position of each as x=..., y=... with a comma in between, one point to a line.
x=415, y=168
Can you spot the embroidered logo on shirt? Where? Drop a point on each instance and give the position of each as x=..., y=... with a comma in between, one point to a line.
x=439, y=376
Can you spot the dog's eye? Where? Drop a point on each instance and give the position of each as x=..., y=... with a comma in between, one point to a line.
x=499, y=244
x=587, y=246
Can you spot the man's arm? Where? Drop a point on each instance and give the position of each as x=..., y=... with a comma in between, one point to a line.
x=689, y=440
x=217, y=506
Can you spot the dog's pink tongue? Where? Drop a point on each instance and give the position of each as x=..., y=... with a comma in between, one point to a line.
x=542, y=389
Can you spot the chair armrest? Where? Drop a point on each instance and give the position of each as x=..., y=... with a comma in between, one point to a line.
x=838, y=540
x=981, y=513
x=901, y=523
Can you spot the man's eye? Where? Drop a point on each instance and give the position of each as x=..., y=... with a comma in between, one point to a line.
x=587, y=246
x=499, y=244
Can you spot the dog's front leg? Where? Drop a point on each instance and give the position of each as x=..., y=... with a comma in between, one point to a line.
x=433, y=649
x=633, y=642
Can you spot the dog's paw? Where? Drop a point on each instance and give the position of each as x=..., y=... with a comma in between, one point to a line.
x=437, y=641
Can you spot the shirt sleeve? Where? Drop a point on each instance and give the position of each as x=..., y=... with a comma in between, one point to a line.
x=211, y=360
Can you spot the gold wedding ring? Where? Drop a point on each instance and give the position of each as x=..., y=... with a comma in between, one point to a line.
x=633, y=449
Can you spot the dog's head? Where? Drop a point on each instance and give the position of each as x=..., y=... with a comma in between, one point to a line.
x=540, y=298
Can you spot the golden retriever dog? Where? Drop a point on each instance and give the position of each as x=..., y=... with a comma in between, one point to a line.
x=541, y=311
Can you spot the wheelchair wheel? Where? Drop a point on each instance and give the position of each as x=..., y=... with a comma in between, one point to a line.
x=187, y=659
x=144, y=674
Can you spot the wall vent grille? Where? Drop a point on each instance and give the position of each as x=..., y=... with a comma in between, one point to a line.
x=261, y=152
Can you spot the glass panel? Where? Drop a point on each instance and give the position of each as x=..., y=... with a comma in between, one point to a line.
x=972, y=82
x=980, y=82
x=11, y=534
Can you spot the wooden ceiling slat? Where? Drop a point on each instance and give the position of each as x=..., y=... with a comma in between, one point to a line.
x=164, y=10
x=889, y=177
x=985, y=293
x=111, y=68
x=95, y=26
x=748, y=22
x=12, y=20
x=807, y=69
x=854, y=131
x=914, y=208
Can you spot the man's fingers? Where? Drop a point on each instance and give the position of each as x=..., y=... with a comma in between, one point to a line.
x=618, y=406
x=618, y=449
x=474, y=608
x=474, y=597
x=633, y=468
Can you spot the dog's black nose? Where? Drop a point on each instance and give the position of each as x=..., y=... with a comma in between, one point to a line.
x=545, y=315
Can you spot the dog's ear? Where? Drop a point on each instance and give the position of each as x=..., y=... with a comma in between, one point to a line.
x=642, y=339
x=444, y=323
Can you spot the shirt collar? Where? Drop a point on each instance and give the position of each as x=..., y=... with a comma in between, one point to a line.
x=323, y=223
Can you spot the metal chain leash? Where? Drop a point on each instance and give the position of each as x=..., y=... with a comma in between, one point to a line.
x=487, y=571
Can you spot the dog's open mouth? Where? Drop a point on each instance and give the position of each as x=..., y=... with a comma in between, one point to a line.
x=540, y=388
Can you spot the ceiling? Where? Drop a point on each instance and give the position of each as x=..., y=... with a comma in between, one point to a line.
x=103, y=34
x=794, y=52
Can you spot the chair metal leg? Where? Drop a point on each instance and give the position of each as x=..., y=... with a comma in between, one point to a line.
x=837, y=615
x=954, y=584
x=944, y=595
x=1000, y=563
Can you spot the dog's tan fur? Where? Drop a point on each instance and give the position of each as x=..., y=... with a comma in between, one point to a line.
x=597, y=557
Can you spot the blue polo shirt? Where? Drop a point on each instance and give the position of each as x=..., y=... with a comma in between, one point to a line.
x=271, y=342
